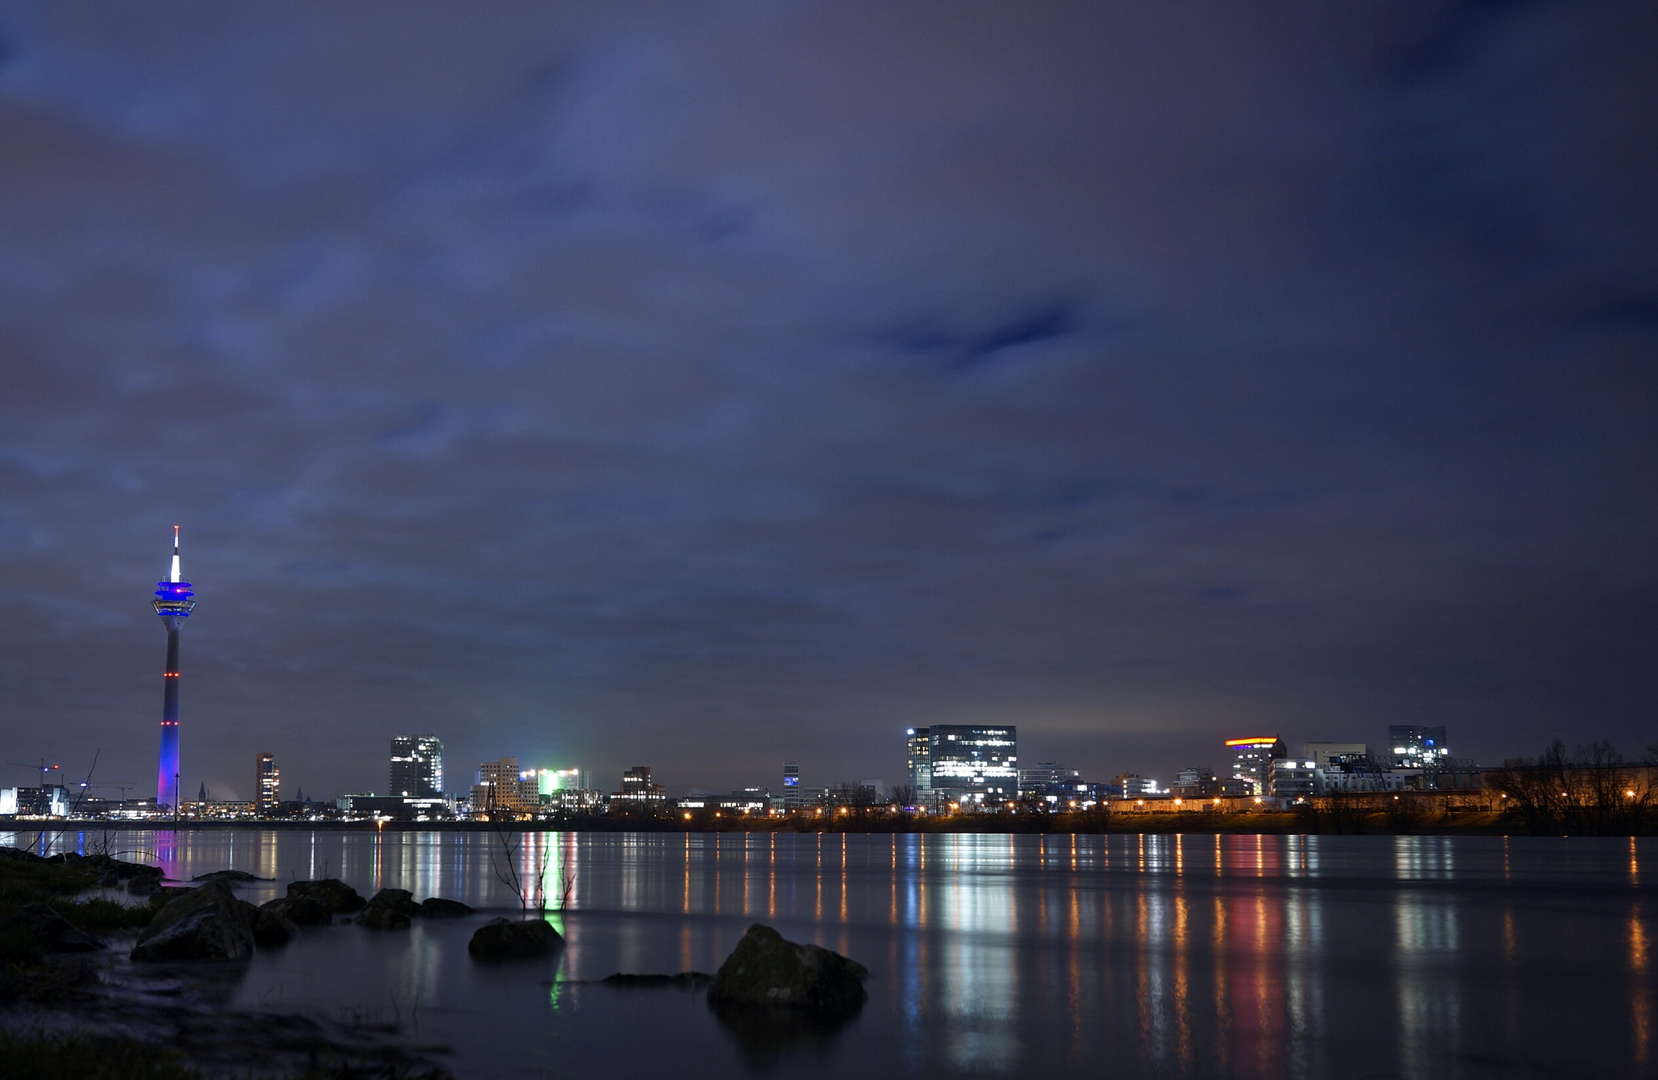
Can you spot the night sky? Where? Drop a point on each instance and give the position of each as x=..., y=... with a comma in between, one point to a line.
x=709, y=385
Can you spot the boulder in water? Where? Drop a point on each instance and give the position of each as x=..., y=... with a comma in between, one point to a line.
x=764, y=969
x=435, y=907
x=207, y=923
x=390, y=909
x=300, y=910
x=228, y=875
x=271, y=927
x=339, y=896
x=504, y=939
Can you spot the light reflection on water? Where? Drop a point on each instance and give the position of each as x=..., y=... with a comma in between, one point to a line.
x=1125, y=955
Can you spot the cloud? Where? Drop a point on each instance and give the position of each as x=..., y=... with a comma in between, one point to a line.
x=708, y=388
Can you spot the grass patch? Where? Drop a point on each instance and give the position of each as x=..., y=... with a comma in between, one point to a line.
x=88, y=1057
x=25, y=881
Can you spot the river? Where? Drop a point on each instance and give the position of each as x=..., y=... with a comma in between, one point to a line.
x=992, y=955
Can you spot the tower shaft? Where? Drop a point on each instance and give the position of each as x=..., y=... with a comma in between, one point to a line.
x=167, y=773
x=174, y=605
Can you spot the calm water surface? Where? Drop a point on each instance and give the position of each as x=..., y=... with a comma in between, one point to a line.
x=1115, y=956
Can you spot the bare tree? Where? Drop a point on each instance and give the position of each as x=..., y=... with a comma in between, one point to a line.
x=505, y=864
x=1591, y=792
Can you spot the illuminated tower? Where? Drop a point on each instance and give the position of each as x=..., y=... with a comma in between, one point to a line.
x=172, y=602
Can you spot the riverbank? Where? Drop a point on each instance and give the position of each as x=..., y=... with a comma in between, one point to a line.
x=1306, y=821
x=72, y=1004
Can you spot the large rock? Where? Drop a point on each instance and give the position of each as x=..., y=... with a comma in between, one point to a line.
x=228, y=875
x=123, y=870
x=339, y=896
x=764, y=969
x=49, y=931
x=300, y=910
x=504, y=939
x=208, y=923
x=271, y=928
x=390, y=909
x=436, y=907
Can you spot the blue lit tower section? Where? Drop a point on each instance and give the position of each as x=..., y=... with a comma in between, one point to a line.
x=172, y=602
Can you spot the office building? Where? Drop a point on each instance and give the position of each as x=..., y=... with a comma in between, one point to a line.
x=552, y=781
x=1416, y=746
x=1252, y=760
x=173, y=603
x=1049, y=778
x=417, y=766
x=1134, y=786
x=1324, y=754
x=974, y=764
x=792, y=795
x=1197, y=782
x=919, y=756
x=501, y=789
x=267, y=784
x=1295, y=778
x=637, y=787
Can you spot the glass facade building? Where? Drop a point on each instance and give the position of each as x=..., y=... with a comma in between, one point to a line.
x=417, y=766
x=918, y=746
x=1415, y=746
x=1252, y=760
x=267, y=784
x=973, y=764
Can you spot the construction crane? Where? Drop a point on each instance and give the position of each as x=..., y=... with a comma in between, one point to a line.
x=40, y=767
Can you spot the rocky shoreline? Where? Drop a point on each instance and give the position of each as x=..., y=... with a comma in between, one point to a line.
x=142, y=997
x=148, y=981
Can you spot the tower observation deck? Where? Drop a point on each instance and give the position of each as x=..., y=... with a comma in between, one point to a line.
x=172, y=602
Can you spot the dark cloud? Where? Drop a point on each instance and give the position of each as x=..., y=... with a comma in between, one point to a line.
x=705, y=387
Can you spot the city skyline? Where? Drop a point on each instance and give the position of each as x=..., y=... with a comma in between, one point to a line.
x=722, y=390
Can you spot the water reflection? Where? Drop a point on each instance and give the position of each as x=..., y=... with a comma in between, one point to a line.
x=1244, y=956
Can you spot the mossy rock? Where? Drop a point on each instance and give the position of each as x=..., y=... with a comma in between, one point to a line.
x=504, y=939
x=208, y=923
x=339, y=896
x=435, y=907
x=300, y=910
x=766, y=970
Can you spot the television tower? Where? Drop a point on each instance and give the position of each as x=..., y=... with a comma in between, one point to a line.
x=172, y=602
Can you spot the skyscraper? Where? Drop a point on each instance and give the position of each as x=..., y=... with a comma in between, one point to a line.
x=172, y=602
x=416, y=766
x=267, y=784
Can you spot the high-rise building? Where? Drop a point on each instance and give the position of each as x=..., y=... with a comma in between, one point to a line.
x=793, y=797
x=974, y=764
x=637, y=787
x=1252, y=760
x=501, y=789
x=172, y=602
x=1415, y=746
x=417, y=766
x=918, y=746
x=267, y=784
